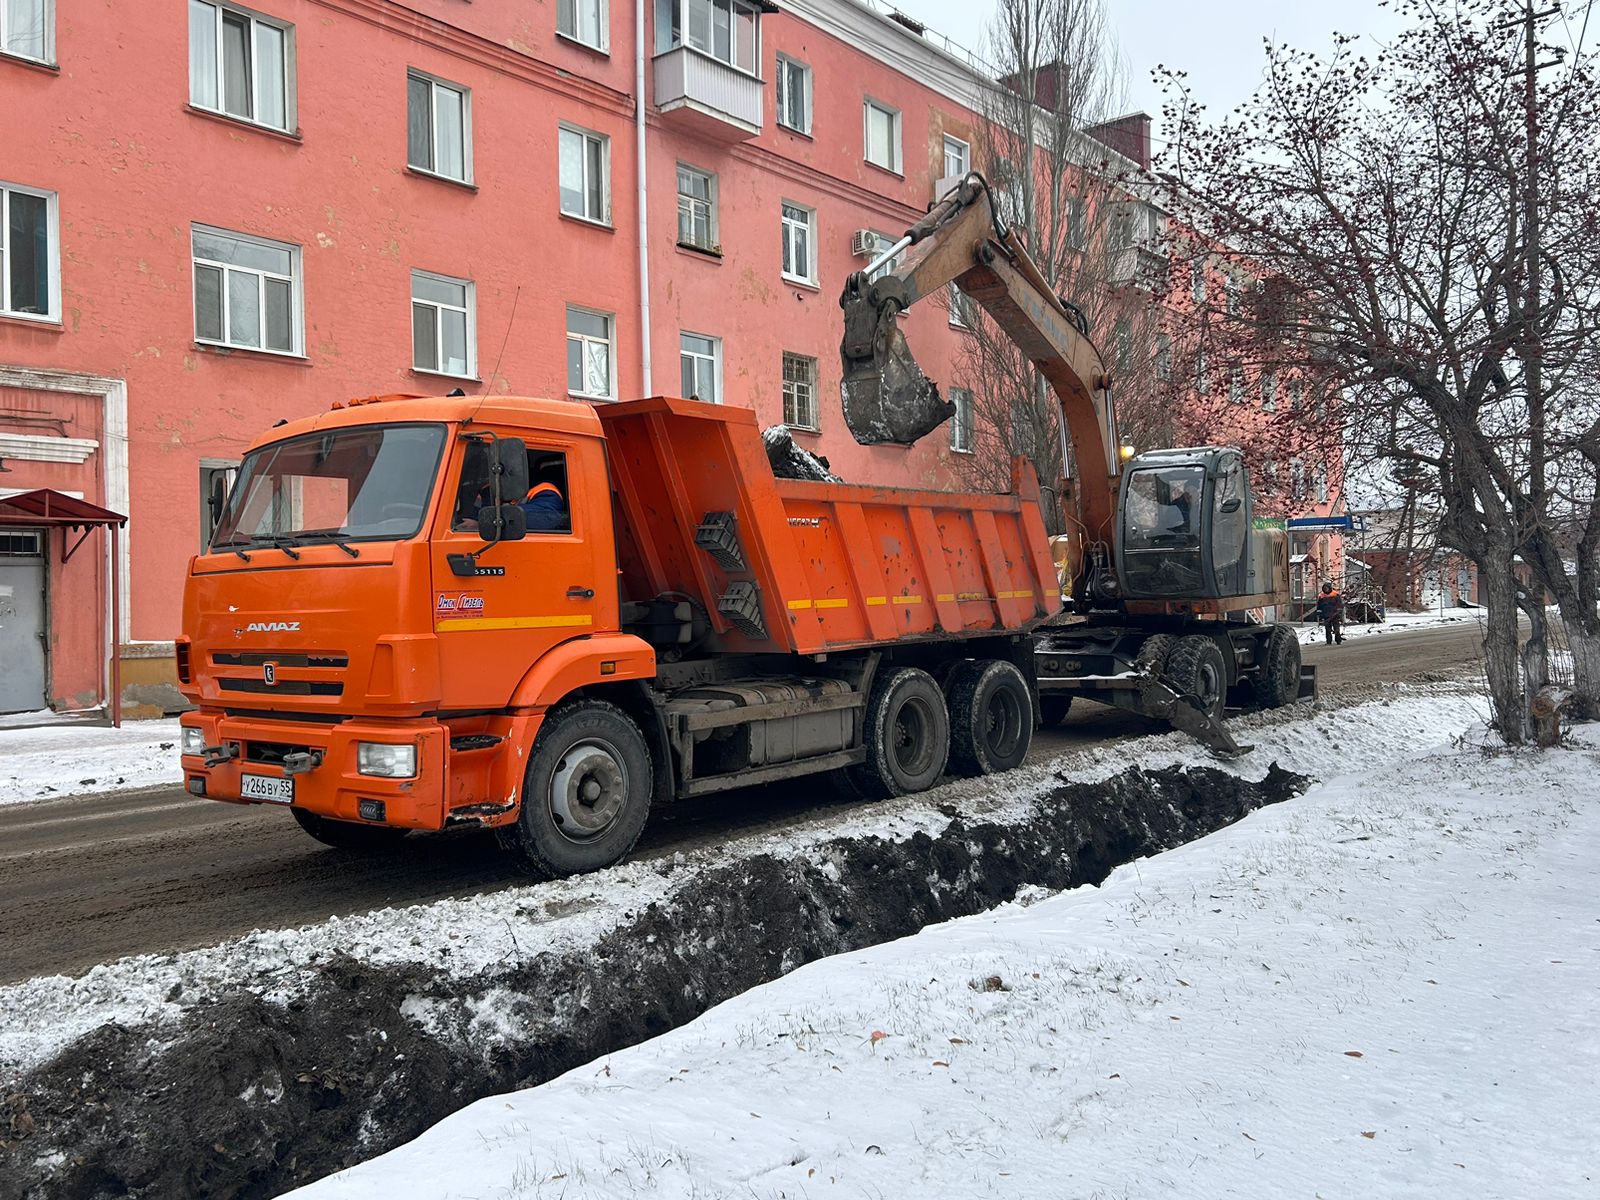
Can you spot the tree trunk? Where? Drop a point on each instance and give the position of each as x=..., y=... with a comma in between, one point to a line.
x=1585, y=644
x=1510, y=713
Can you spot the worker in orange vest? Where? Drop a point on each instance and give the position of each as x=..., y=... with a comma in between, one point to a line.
x=1330, y=611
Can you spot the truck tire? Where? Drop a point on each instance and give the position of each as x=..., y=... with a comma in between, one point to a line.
x=586, y=793
x=991, y=717
x=1278, y=678
x=907, y=736
x=1195, y=667
x=1053, y=708
x=347, y=835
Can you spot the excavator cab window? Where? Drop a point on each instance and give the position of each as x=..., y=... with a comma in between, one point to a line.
x=1162, y=516
x=1230, y=526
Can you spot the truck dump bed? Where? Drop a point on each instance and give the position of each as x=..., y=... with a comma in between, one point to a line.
x=785, y=566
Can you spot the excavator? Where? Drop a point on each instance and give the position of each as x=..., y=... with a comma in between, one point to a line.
x=1162, y=560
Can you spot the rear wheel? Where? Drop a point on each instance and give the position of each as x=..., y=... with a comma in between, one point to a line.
x=907, y=736
x=1053, y=708
x=991, y=717
x=586, y=793
x=347, y=835
x=1278, y=680
x=1195, y=667
x=1151, y=662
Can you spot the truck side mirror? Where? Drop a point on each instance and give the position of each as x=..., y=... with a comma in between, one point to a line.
x=218, y=498
x=1231, y=505
x=510, y=468
x=503, y=523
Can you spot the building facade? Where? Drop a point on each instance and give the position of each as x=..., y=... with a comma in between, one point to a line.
x=218, y=216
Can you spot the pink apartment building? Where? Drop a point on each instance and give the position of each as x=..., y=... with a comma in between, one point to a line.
x=215, y=217
x=218, y=216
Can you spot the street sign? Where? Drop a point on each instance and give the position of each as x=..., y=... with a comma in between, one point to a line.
x=1320, y=523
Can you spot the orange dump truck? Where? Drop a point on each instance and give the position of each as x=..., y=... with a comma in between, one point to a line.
x=544, y=617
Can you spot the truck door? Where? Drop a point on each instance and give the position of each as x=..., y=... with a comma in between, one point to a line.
x=524, y=597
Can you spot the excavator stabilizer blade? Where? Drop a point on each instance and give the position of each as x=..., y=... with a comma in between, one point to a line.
x=889, y=399
x=1188, y=715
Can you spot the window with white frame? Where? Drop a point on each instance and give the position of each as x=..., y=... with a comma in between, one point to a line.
x=591, y=354
x=1077, y=223
x=27, y=29
x=700, y=362
x=1297, y=395
x=794, y=94
x=241, y=64
x=585, y=174
x=246, y=291
x=799, y=391
x=1197, y=281
x=438, y=127
x=882, y=135
x=962, y=312
x=880, y=243
x=799, y=243
x=1269, y=392
x=1297, y=479
x=1322, y=482
x=586, y=21
x=957, y=156
x=29, y=253
x=443, y=325
x=1164, y=357
x=727, y=30
x=1123, y=340
x=697, y=208
x=961, y=421
x=1235, y=386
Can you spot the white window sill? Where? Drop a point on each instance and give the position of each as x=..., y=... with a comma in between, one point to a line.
x=796, y=281
x=24, y=60
x=877, y=166
x=416, y=370
x=961, y=450
x=805, y=133
x=424, y=173
x=574, y=40
x=590, y=221
x=225, y=349
x=216, y=114
x=813, y=430
x=34, y=320
x=709, y=252
x=586, y=398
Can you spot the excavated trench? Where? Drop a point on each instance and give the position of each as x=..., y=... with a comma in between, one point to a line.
x=246, y=1097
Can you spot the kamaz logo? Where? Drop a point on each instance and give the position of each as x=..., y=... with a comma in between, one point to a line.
x=273, y=627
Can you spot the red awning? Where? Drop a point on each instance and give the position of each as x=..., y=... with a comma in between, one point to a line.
x=45, y=506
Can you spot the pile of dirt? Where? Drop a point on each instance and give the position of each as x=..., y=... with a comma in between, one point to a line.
x=249, y=1097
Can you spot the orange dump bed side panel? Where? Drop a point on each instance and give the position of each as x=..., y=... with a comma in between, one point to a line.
x=813, y=567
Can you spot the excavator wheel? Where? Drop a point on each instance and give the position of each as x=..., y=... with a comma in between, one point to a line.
x=1279, y=680
x=907, y=736
x=1194, y=667
x=991, y=717
x=1151, y=661
x=347, y=835
x=586, y=793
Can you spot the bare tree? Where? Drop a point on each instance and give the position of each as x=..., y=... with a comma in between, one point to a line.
x=1433, y=213
x=1057, y=78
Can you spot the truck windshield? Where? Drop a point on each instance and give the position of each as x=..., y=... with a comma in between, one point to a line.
x=364, y=483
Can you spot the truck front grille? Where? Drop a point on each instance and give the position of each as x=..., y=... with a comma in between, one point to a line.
x=284, y=687
x=296, y=658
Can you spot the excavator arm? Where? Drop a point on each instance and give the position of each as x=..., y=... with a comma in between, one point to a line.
x=887, y=397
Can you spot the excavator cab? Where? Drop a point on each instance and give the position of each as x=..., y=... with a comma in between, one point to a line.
x=1188, y=529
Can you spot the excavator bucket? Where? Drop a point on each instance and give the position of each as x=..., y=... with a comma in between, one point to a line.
x=886, y=396
x=1187, y=714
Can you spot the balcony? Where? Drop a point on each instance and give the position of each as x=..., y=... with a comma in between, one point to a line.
x=1140, y=267
x=706, y=97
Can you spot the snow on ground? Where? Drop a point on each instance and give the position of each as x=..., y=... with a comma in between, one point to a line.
x=1395, y=622
x=1384, y=988
x=460, y=938
x=69, y=759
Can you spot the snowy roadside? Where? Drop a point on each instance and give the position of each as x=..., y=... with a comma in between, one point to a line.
x=1396, y=622
x=73, y=759
x=1383, y=988
x=458, y=939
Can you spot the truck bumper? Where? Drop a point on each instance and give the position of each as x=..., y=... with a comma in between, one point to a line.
x=245, y=751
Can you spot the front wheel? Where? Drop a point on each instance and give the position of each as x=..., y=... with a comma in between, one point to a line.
x=586, y=793
x=1195, y=667
x=347, y=835
x=907, y=736
x=991, y=717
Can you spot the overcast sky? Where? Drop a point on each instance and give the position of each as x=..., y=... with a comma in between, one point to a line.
x=1218, y=42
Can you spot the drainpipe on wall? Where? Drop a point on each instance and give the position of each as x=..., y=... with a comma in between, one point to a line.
x=644, y=219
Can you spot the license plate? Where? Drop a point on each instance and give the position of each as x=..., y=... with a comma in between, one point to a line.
x=267, y=787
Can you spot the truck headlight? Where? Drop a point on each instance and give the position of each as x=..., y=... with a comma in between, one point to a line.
x=194, y=740
x=389, y=761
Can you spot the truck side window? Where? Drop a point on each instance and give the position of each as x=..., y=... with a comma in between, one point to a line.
x=472, y=493
x=547, y=506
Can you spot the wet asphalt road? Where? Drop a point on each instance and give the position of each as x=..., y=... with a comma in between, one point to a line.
x=87, y=880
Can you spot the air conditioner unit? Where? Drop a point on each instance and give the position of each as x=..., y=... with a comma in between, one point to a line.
x=864, y=244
